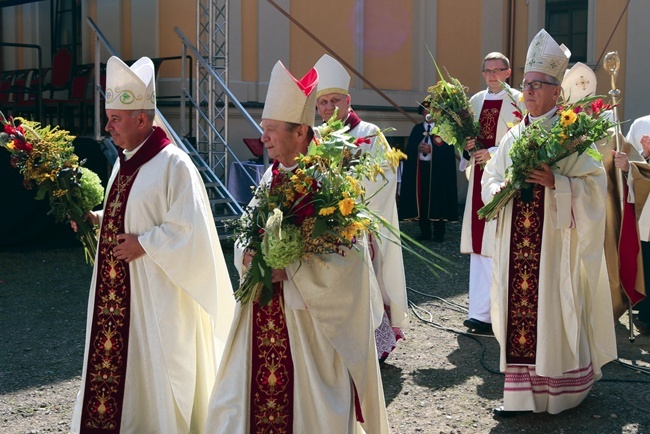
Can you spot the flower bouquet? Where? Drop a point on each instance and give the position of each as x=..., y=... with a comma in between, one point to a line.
x=452, y=113
x=45, y=158
x=318, y=208
x=574, y=131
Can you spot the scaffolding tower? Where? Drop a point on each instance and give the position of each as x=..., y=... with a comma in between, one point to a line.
x=211, y=123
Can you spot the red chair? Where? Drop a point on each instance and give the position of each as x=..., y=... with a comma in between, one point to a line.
x=57, y=89
x=61, y=74
x=79, y=99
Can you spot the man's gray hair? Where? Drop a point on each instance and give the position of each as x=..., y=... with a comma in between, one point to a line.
x=552, y=79
x=150, y=113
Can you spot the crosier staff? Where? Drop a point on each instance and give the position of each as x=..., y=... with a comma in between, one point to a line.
x=612, y=64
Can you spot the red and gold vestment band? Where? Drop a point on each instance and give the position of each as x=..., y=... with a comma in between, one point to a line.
x=108, y=349
x=271, y=406
x=489, y=121
x=523, y=288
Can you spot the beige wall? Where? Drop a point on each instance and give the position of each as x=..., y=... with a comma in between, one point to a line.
x=334, y=28
x=171, y=16
x=387, y=43
x=459, y=41
x=607, y=15
x=248, y=31
x=518, y=57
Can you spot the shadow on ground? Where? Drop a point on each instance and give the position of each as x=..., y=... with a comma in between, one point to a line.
x=43, y=301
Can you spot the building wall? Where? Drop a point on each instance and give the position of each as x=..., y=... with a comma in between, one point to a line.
x=605, y=34
x=387, y=41
x=635, y=77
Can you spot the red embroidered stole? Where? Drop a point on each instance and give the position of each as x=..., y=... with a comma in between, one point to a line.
x=523, y=278
x=489, y=121
x=271, y=398
x=109, y=336
x=352, y=120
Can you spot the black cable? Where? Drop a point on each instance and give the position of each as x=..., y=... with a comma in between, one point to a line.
x=414, y=309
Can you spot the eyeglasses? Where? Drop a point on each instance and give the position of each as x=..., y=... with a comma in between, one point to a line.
x=494, y=71
x=535, y=84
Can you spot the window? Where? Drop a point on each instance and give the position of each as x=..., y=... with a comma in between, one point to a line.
x=567, y=22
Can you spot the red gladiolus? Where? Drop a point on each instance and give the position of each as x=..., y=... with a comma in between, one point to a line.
x=577, y=109
x=361, y=140
x=22, y=145
x=304, y=211
x=597, y=106
x=13, y=129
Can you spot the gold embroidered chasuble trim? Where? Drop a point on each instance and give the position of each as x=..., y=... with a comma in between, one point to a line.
x=106, y=371
x=271, y=406
x=523, y=289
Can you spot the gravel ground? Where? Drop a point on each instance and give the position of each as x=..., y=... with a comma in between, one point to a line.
x=439, y=380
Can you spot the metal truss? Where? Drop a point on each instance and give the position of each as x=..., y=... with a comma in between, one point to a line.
x=212, y=43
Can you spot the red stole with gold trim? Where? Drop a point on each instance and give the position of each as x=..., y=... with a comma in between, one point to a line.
x=489, y=121
x=109, y=336
x=271, y=398
x=523, y=278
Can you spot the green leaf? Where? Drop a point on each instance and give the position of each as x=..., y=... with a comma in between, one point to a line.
x=597, y=156
x=261, y=272
x=42, y=191
x=319, y=228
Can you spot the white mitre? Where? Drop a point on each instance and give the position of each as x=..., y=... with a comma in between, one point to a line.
x=546, y=56
x=291, y=100
x=579, y=82
x=131, y=88
x=333, y=78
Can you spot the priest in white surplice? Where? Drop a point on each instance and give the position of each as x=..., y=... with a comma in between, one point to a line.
x=333, y=92
x=306, y=362
x=160, y=300
x=551, y=304
x=496, y=109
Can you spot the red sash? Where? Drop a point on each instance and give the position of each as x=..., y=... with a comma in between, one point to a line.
x=489, y=121
x=523, y=277
x=109, y=336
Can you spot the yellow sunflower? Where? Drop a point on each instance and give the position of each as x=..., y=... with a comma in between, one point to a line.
x=567, y=118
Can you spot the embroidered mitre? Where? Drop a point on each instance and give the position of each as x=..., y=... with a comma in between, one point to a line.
x=546, y=56
x=131, y=88
x=579, y=82
x=291, y=100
